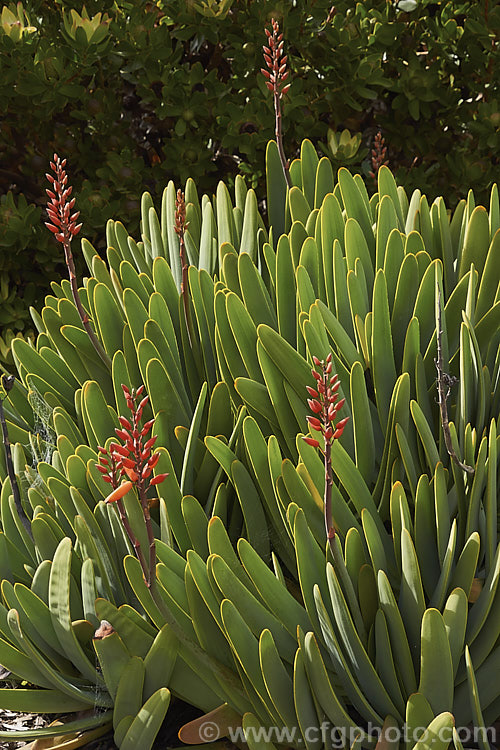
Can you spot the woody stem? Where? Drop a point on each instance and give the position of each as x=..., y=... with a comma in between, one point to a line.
x=279, y=136
x=78, y=303
x=330, y=532
x=132, y=538
x=184, y=284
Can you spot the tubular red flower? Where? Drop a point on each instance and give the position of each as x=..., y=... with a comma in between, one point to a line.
x=119, y=492
x=158, y=478
x=311, y=441
x=154, y=460
x=314, y=405
x=315, y=423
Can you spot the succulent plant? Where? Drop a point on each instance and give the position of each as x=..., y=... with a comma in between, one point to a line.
x=254, y=618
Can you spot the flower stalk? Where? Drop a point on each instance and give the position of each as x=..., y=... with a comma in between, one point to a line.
x=133, y=459
x=62, y=223
x=276, y=75
x=180, y=227
x=325, y=407
x=378, y=155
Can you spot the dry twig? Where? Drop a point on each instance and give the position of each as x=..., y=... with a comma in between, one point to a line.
x=444, y=383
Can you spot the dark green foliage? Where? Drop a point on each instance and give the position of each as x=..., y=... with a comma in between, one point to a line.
x=153, y=91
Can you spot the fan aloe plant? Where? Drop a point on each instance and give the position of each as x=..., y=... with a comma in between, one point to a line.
x=254, y=617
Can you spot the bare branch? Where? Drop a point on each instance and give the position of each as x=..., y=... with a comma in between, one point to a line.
x=444, y=384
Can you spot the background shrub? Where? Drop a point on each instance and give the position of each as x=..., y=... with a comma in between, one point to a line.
x=135, y=94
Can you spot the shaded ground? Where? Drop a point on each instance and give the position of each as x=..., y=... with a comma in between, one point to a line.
x=178, y=714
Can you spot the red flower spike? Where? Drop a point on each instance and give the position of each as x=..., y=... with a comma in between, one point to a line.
x=125, y=423
x=147, y=426
x=316, y=361
x=311, y=391
x=122, y=434
x=140, y=390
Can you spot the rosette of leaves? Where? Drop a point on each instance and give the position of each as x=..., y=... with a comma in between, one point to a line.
x=338, y=272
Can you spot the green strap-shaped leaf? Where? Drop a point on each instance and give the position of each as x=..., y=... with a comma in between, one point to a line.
x=207, y=627
x=160, y=661
x=38, y=701
x=59, y=605
x=276, y=596
x=186, y=484
x=455, y=620
x=196, y=524
x=359, y=661
x=354, y=693
x=109, y=318
x=436, y=666
x=248, y=242
x=321, y=682
x=37, y=365
x=128, y=699
x=356, y=206
x=277, y=679
x=53, y=677
x=324, y=181
x=300, y=209
x=480, y=609
x=476, y=242
x=305, y=706
x=146, y=725
x=399, y=639
x=64, y=728
x=135, y=632
x=411, y=596
x=245, y=647
x=257, y=616
x=308, y=166
x=276, y=190
x=383, y=367
x=425, y=435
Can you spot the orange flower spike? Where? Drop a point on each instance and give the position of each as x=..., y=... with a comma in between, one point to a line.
x=119, y=492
